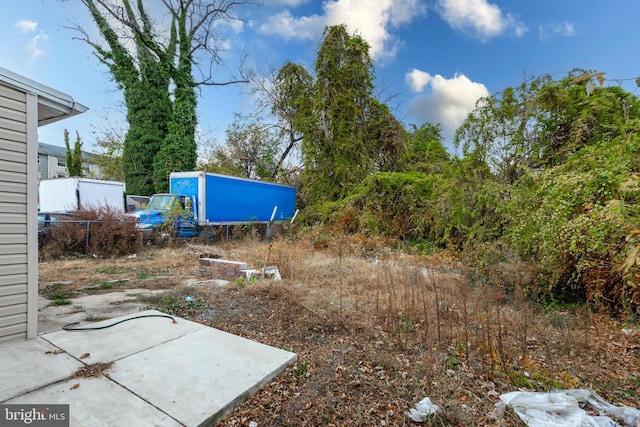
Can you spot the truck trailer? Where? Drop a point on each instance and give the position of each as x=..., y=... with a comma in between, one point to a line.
x=74, y=193
x=208, y=199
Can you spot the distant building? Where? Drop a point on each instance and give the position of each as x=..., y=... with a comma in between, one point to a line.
x=52, y=163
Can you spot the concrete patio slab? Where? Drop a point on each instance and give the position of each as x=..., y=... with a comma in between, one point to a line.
x=99, y=402
x=123, y=339
x=99, y=306
x=161, y=373
x=210, y=371
x=30, y=365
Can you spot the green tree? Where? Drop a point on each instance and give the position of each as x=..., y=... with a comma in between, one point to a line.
x=73, y=155
x=250, y=152
x=157, y=80
x=253, y=150
x=290, y=103
x=385, y=137
x=503, y=130
x=218, y=160
x=178, y=150
x=542, y=121
x=425, y=152
x=143, y=77
x=336, y=153
x=111, y=142
x=578, y=112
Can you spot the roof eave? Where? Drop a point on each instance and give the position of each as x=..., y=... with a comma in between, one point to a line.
x=53, y=105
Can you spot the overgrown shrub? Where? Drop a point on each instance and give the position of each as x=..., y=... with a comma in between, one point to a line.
x=578, y=223
x=102, y=232
x=550, y=176
x=391, y=204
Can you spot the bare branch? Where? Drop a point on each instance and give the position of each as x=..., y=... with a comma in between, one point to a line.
x=231, y=82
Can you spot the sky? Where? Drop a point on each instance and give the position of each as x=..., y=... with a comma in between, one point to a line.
x=433, y=59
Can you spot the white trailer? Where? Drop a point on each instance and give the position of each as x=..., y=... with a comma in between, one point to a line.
x=73, y=193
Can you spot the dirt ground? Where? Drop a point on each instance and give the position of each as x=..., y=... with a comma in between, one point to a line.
x=376, y=330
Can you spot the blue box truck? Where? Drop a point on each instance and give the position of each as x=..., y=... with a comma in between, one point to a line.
x=209, y=199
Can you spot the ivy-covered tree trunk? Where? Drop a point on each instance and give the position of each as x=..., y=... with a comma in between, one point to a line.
x=146, y=94
x=149, y=107
x=161, y=136
x=178, y=150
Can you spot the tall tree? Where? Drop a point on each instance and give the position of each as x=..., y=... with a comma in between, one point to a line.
x=156, y=76
x=336, y=152
x=178, y=151
x=144, y=78
x=290, y=101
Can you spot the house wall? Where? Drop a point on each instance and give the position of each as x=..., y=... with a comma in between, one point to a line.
x=14, y=270
x=54, y=170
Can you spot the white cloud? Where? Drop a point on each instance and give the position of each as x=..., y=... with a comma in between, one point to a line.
x=235, y=25
x=373, y=20
x=418, y=79
x=289, y=27
x=33, y=47
x=479, y=18
x=448, y=102
x=519, y=28
x=26, y=26
x=563, y=29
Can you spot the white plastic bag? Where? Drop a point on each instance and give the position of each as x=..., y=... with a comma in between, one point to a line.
x=629, y=416
x=561, y=408
x=423, y=409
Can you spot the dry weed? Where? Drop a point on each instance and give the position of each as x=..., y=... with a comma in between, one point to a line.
x=377, y=329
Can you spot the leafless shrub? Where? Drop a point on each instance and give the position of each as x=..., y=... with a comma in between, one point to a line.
x=101, y=232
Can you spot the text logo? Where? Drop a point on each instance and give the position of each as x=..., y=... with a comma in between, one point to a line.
x=34, y=415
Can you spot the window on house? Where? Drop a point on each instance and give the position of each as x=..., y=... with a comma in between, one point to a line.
x=62, y=162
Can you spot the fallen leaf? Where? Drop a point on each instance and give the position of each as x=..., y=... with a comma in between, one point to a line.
x=75, y=386
x=84, y=356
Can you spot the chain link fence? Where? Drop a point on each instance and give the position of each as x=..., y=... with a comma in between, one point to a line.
x=61, y=234
x=105, y=234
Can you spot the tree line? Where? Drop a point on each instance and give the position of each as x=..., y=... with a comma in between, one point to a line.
x=548, y=171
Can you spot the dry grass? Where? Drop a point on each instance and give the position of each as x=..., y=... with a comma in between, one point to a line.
x=376, y=330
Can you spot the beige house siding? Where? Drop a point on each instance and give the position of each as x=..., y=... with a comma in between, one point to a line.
x=24, y=105
x=14, y=270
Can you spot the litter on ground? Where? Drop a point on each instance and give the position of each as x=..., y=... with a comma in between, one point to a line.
x=423, y=409
x=566, y=408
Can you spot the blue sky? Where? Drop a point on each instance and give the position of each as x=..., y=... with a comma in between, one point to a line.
x=433, y=58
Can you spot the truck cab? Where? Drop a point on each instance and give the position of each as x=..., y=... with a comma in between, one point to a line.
x=169, y=210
